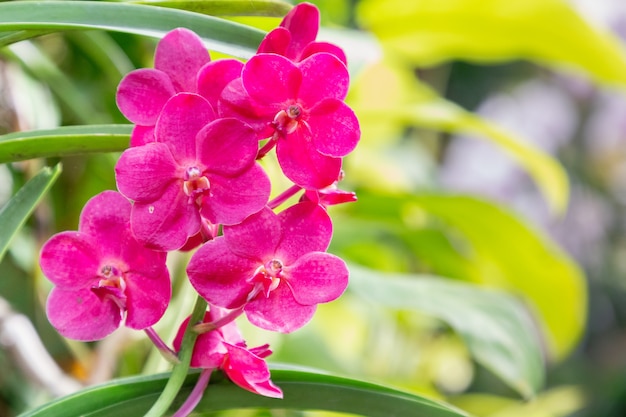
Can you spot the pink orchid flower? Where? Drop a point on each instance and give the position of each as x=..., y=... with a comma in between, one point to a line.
x=295, y=37
x=273, y=266
x=224, y=348
x=199, y=168
x=142, y=93
x=300, y=107
x=102, y=274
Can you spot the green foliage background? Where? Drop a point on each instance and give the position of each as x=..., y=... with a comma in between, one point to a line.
x=454, y=296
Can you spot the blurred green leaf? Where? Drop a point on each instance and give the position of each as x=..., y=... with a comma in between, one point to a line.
x=498, y=331
x=302, y=391
x=498, y=250
x=387, y=95
x=15, y=213
x=271, y=8
x=67, y=140
x=221, y=35
x=547, y=31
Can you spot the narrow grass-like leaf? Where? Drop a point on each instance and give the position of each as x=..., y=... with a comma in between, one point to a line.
x=68, y=140
x=498, y=331
x=302, y=391
x=219, y=34
x=270, y=8
x=15, y=213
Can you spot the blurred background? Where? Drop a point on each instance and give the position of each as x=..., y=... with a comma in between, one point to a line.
x=493, y=154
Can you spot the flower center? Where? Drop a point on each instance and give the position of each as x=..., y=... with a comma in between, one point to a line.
x=195, y=184
x=111, y=286
x=287, y=120
x=266, y=278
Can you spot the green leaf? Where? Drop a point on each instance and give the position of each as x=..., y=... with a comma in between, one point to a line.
x=270, y=8
x=498, y=331
x=219, y=34
x=302, y=391
x=68, y=140
x=497, y=250
x=401, y=100
x=15, y=213
x=546, y=31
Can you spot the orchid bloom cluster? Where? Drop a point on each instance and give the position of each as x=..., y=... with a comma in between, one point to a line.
x=193, y=179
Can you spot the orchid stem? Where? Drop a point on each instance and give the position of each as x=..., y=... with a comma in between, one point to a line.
x=269, y=145
x=196, y=394
x=179, y=372
x=207, y=327
x=284, y=196
x=167, y=353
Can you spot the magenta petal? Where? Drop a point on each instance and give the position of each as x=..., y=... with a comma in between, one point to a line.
x=142, y=94
x=317, y=277
x=166, y=223
x=208, y=351
x=309, y=229
x=81, y=315
x=181, y=54
x=323, y=76
x=276, y=42
x=105, y=218
x=235, y=102
x=181, y=119
x=256, y=237
x=70, y=259
x=335, y=128
x=147, y=297
x=303, y=22
x=219, y=276
x=233, y=199
x=317, y=47
x=216, y=75
x=142, y=135
x=142, y=173
x=270, y=78
x=227, y=146
x=280, y=312
x=303, y=164
x=249, y=371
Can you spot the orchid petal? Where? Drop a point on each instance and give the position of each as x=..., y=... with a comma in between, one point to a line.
x=142, y=173
x=227, y=146
x=166, y=223
x=219, y=276
x=181, y=54
x=249, y=371
x=233, y=199
x=142, y=135
x=334, y=127
x=142, y=94
x=317, y=47
x=215, y=76
x=147, y=298
x=271, y=78
x=303, y=164
x=256, y=237
x=276, y=42
x=208, y=350
x=70, y=259
x=181, y=119
x=280, y=312
x=303, y=22
x=105, y=218
x=235, y=102
x=323, y=76
x=309, y=230
x=80, y=314
x=317, y=277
